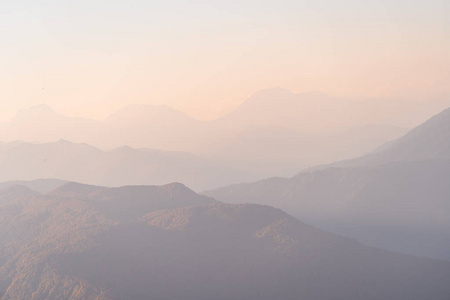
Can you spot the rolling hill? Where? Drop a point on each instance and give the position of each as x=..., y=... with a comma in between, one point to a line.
x=149, y=242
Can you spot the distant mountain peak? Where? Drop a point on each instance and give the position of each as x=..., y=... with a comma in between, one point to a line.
x=176, y=188
x=125, y=149
x=32, y=112
x=71, y=189
x=270, y=93
x=64, y=141
x=430, y=140
x=441, y=121
x=40, y=108
x=139, y=111
x=275, y=90
x=18, y=190
x=140, y=106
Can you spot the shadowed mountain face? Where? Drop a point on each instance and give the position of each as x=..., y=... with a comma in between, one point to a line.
x=148, y=242
x=395, y=198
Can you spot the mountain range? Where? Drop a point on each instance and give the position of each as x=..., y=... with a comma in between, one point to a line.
x=42, y=186
x=167, y=242
x=273, y=132
x=429, y=141
x=395, y=198
x=69, y=161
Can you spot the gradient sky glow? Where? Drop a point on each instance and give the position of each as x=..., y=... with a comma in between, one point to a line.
x=90, y=58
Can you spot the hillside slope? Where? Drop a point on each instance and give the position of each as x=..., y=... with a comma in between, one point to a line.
x=395, y=198
x=90, y=242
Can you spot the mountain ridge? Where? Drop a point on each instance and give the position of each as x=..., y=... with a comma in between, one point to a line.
x=69, y=161
x=386, y=199
x=119, y=247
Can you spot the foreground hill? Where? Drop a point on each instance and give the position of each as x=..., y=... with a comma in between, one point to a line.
x=395, y=198
x=148, y=242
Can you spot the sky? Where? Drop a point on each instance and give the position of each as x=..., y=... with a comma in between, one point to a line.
x=91, y=58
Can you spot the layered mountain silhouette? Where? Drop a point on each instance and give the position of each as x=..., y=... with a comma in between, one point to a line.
x=42, y=124
x=305, y=111
x=396, y=198
x=167, y=242
x=282, y=151
x=244, y=138
x=429, y=141
x=122, y=166
x=41, y=186
x=155, y=126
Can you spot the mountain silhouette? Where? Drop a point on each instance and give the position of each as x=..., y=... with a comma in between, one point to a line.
x=69, y=161
x=395, y=198
x=150, y=242
x=320, y=128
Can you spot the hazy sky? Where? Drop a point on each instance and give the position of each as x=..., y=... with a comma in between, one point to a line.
x=90, y=58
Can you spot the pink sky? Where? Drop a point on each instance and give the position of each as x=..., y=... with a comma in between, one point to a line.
x=91, y=58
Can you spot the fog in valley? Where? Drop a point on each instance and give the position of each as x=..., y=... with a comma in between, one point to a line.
x=173, y=150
